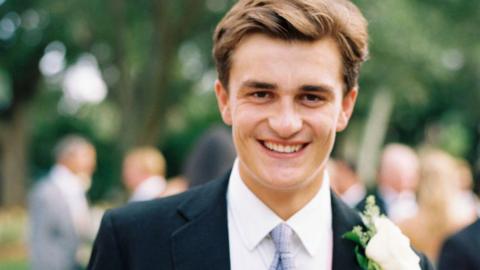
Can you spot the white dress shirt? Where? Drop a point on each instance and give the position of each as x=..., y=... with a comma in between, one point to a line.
x=250, y=222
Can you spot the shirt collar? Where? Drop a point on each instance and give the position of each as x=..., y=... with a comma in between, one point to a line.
x=252, y=217
x=313, y=223
x=254, y=220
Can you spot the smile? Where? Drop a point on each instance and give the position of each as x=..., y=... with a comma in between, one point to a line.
x=283, y=148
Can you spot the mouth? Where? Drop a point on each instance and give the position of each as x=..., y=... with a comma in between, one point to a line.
x=283, y=148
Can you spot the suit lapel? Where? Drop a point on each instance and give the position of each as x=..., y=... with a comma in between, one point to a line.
x=202, y=242
x=343, y=220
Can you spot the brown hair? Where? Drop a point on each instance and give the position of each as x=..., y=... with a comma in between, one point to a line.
x=294, y=20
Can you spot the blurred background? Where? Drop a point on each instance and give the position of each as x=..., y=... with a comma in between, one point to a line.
x=127, y=73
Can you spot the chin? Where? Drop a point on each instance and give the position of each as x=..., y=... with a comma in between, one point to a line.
x=282, y=182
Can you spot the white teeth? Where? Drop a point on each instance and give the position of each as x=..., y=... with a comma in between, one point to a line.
x=282, y=148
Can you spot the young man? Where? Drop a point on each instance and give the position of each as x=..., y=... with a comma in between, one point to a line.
x=287, y=83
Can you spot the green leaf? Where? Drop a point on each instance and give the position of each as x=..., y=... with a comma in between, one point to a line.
x=352, y=236
x=358, y=236
x=373, y=265
x=361, y=259
x=361, y=237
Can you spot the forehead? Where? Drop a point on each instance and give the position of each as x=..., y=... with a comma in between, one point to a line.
x=87, y=150
x=259, y=56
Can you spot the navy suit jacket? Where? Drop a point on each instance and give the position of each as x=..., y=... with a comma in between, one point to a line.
x=189, y=231
x=462, y=250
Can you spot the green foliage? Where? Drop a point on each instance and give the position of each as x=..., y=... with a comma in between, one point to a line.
x=159, y=69
x=369, y=214
x=193, y=119
x=424, y=53
x=48, y=127
x=356, y=235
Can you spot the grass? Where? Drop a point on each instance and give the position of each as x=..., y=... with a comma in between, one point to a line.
x=14, y=265
x=13, y=250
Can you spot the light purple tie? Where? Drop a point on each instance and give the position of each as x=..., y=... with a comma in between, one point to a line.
x=282, y=238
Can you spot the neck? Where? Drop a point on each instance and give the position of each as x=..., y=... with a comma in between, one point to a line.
x=285, y=203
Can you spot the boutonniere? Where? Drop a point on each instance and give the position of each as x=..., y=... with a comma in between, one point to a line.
x=380, y=245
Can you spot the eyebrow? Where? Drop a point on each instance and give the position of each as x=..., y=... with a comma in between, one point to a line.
x=272, y=86
x=259, y=85
x=316, y=88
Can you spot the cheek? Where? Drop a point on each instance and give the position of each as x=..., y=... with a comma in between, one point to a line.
x=241, y=131
x=323, y=124
x=245, y=119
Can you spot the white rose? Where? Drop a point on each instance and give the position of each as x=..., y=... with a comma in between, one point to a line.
x=390, y=248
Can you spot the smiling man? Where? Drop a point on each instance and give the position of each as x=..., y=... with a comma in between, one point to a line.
x=287, y=83
x=285, y=102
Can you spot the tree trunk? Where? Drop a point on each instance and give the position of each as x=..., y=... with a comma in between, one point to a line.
x=374, y=136
x=171, y=29
x=144, y=101
x=13, y=141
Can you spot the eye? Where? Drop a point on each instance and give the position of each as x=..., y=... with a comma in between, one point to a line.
x=261, y=95
x=311, y=99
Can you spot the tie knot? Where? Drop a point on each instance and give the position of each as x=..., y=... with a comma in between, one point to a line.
x=281, y=236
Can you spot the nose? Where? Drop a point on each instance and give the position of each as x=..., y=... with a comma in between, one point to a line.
x=285, y=121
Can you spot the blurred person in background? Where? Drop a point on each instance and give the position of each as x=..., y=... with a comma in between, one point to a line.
x=460, y=250
x=211, y=157
x=345, y=182
x=143, y=173
x=175, y=185
x=60, y=222
x=397, y=182
x=440, y=204
x=468, y=198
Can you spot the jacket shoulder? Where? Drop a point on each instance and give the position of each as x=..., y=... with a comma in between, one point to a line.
x=164, y=212
x=156, y=209
x=460, y=250
x=465, y=238
x=469, y=231
x=139, y=235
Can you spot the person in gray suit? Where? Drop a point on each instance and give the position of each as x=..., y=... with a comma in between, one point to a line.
x=58, y=208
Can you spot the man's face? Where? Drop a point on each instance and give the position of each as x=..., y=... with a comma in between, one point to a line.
x=133, y=172
x=82, y=160
x=285, y=104
x=399, y=171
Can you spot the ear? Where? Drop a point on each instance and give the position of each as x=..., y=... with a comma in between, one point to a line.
x=348, y=103
x=223, y=102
